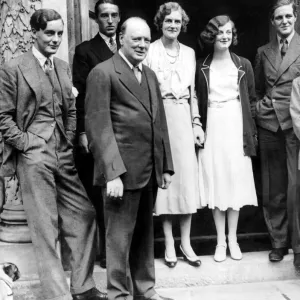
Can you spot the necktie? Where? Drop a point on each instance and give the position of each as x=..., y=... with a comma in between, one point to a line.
x=137, y=74
x=284, y=47
x=112, y=45
x=48, y=65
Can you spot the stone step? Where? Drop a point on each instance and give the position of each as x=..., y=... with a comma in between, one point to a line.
x=253, y=268
x=274, y=290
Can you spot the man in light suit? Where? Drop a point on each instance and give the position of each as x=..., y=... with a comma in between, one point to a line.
x=38, y=123
x=87, y=55
x=277, y=64
x=127, y=133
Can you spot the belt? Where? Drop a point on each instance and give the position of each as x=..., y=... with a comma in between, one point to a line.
x=175, y=101
x=220, y=104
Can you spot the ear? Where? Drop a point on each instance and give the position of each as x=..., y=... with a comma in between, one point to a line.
x=8, y=270
x=121, y=39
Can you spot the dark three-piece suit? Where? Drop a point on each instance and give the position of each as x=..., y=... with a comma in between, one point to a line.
x=127, y=132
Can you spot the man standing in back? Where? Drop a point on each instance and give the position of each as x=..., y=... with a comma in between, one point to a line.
x=277, y=64
x=87, y=55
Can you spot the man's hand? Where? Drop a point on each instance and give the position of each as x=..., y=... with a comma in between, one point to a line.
x=166, y=181
x=83, y=143
x=114, y=189
x=198, y=135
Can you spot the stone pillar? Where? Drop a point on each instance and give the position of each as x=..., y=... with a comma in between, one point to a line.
x=16, y=38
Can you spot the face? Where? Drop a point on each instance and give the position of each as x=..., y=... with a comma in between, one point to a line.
x=108, y=19
x=171, y=25
x=284, y=20
x=135, y=41
x=48, y=40
x=224, y=37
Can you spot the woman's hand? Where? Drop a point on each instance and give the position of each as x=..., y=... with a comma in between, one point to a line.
x=198, y=135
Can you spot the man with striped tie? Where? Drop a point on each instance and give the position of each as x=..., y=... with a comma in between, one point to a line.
x=277, y=64
x=87, y=55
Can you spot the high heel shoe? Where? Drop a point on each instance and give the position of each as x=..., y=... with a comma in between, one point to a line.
x=170, y=262
x=193, y=261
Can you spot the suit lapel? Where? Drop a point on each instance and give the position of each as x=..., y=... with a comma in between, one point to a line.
x=63, y=78
x=291, y=55
x=100, y=48
x=31, y=75
x=128, y=79
x=273, y=54
x=152, y=89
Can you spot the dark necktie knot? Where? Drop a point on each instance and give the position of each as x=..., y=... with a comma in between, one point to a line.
x=284, y=47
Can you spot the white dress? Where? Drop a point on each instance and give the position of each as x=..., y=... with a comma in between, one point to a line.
x=227, y=172
x=176, y=80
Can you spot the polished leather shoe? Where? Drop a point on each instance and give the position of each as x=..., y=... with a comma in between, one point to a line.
x=103, y=263
x=193, y=261
x=92, y=294
x=297, y=261
x=277, y=254
x=170, y=262
x=158, y=297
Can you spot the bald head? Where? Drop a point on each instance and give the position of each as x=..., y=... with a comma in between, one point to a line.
x=135, y=39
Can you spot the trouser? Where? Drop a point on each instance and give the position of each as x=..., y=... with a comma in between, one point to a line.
x=281, y=186
x=57, y=206
x=85, y=167
x=129, y=244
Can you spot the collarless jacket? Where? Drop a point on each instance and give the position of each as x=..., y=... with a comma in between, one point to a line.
x=247, y=97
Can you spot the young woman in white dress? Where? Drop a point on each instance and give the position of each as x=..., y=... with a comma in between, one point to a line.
x=225, y=90
x=174, y=65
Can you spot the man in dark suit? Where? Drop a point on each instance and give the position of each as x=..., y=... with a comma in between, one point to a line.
x=127, y=134
x=277, y=64
x=38, y=123
x=87, y=55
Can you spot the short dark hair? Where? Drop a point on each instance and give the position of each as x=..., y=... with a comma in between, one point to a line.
x=41, y=17
x=211, y=30
x=125, y=23
x=114, y=2
x=166, y=9
x=279, y=3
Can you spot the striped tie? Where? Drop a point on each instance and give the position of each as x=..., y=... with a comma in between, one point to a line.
x=284, y=47
x=112, y=45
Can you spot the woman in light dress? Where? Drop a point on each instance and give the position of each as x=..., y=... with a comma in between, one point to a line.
x=225, y=90
x=174, y=65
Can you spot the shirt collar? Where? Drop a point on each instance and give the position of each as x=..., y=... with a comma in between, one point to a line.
x=140, y=65
x=289, y=39
x=40, y=57
x=107, y=38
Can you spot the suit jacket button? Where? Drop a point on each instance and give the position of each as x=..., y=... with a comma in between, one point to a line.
x=273, y=100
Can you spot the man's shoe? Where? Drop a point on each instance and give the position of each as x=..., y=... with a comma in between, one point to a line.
x=158, y=297
x=277, y=254
x=297, y=261
x=92, y=294
x=103, y=263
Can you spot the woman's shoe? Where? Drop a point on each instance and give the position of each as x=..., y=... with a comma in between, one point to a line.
x=170, y=262
x=235, y=251
x=193, y=261
x=220, y=254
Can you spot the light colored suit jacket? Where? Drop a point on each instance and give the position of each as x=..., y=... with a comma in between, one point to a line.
x=127, y=137
x=20, y=97
x=295, y=110
x=273, y=82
